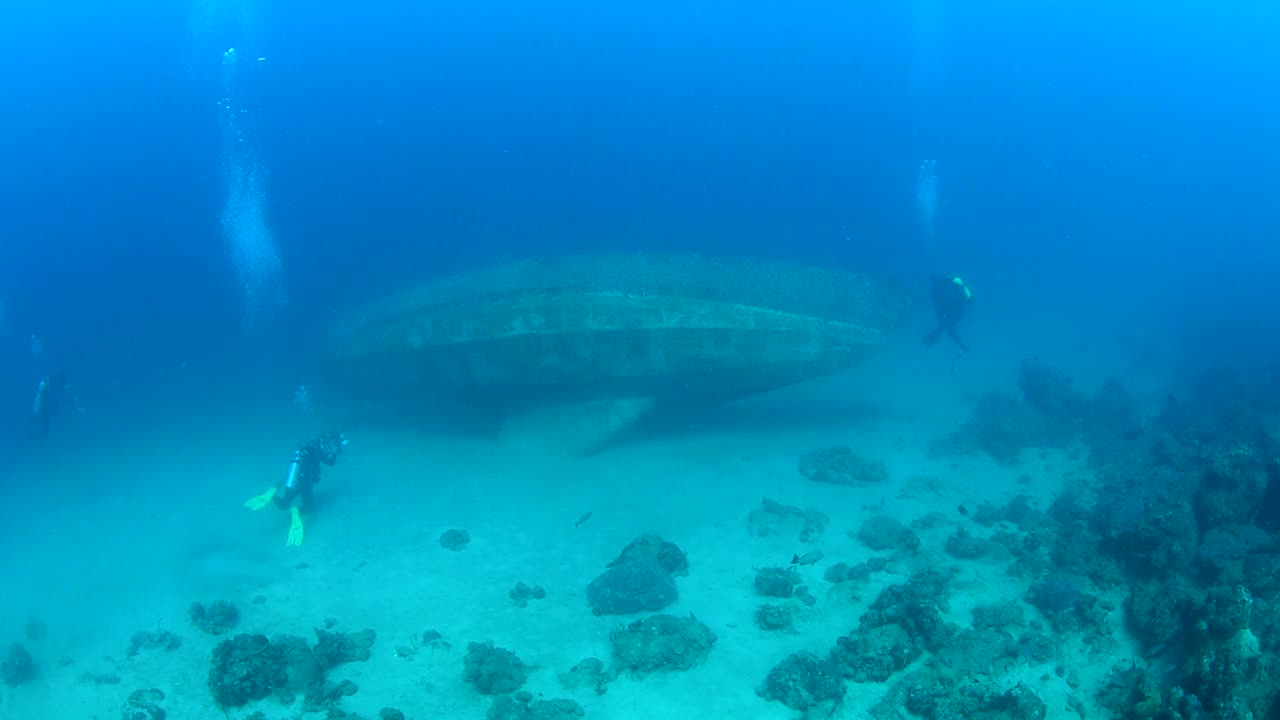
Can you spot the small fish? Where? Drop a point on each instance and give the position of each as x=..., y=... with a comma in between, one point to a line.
x=963, y=510
x=1134, y=434
x=809, y=558
x=585, y=517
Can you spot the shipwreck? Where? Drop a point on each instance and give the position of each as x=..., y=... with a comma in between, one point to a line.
x=590, y=345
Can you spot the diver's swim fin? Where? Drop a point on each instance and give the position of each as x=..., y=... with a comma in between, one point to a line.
x=258, y=502
x=295, y=528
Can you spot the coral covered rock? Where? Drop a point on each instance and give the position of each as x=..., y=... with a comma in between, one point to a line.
x=246, y=668
x=661, y=642
x=216, y=618
x=774, y=518
x=18, y=668
x=842, y=466
x=494, y=670
x=143, y=705
x=804, y=681
x=641, y=578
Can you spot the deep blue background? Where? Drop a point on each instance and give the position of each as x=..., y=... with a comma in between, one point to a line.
x=1091, y=155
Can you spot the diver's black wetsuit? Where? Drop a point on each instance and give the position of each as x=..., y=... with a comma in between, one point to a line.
x=950, y=301
x=304, y=471
x=35, y=427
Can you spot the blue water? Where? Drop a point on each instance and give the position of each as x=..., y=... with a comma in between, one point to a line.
x=180, y=230
x=1090, y=154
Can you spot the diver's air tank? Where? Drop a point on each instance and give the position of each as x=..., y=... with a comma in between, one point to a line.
x=291, y=482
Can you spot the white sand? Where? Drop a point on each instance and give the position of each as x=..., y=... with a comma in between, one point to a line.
x=103, y=539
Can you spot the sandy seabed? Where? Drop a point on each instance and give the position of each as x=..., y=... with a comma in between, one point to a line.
x=103, y=540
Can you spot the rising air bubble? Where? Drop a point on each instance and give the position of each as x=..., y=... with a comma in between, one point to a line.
x=927, y=202
x=248, y=238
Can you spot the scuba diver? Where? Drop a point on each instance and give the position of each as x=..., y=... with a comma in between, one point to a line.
x=951, y=298
x=49, y=393
x=304, y=474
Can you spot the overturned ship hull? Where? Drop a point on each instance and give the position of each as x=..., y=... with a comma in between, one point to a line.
x=616, y=335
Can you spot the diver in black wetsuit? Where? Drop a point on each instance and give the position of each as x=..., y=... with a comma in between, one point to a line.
x=951, y=299
x=49, y=395
x=295, y=494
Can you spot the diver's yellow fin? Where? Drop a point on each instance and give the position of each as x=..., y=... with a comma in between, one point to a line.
x=258, y=502
x=295, y=528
